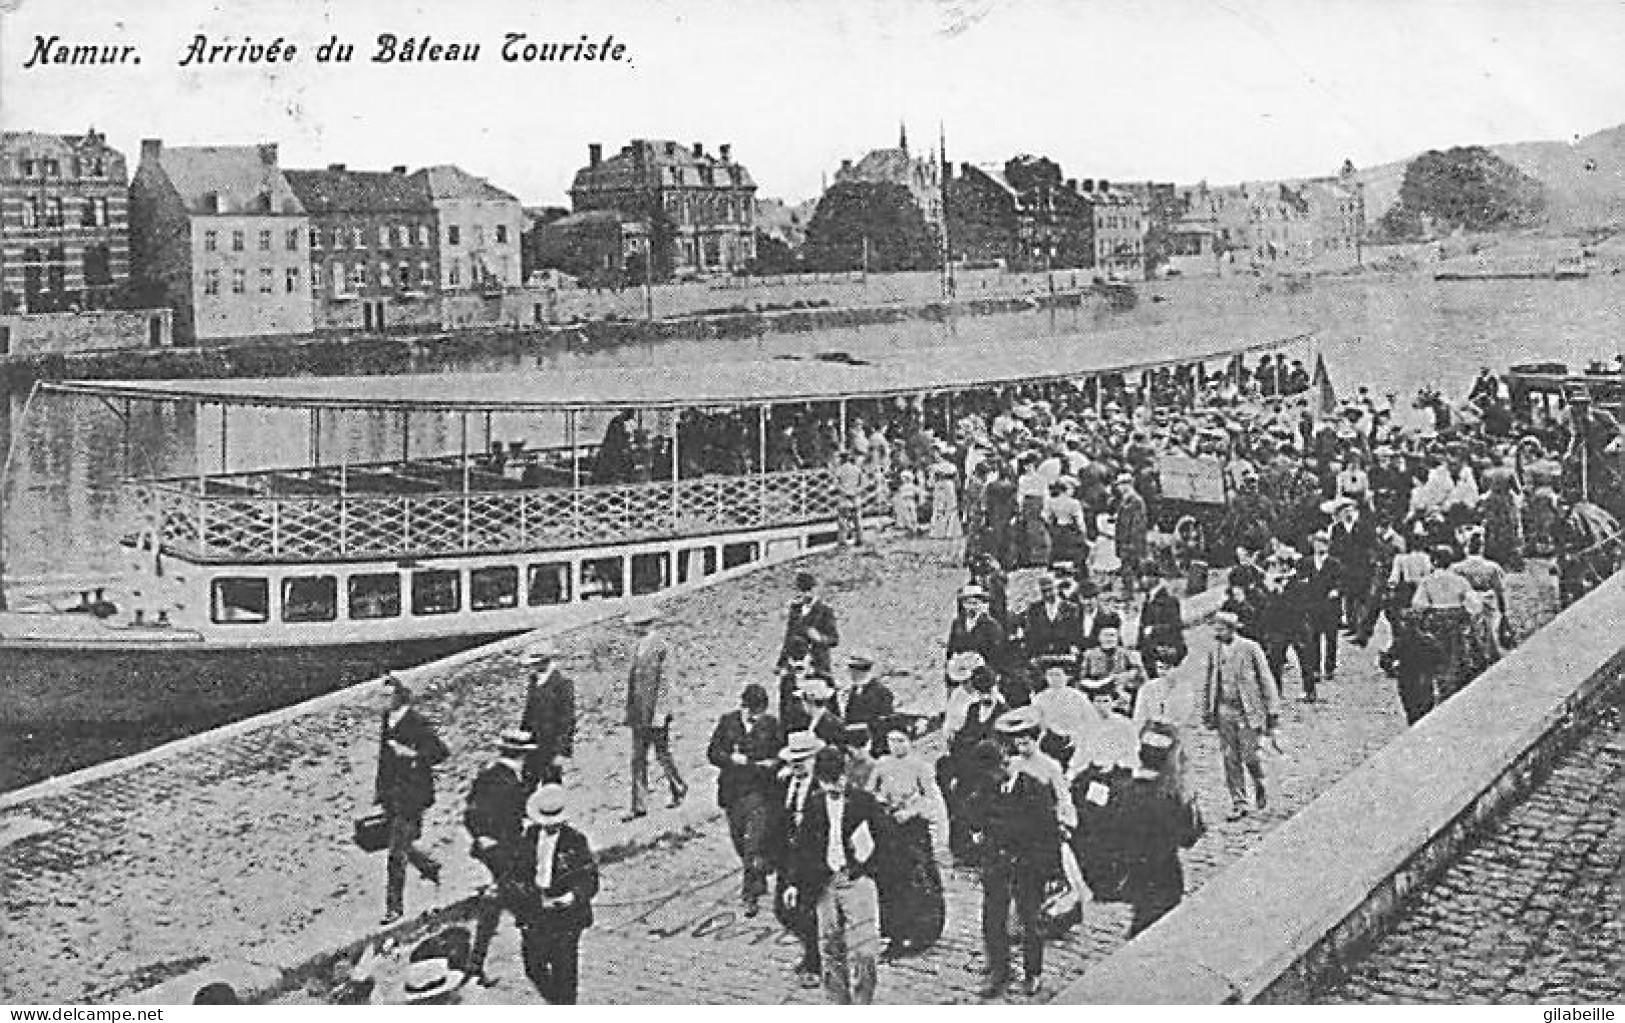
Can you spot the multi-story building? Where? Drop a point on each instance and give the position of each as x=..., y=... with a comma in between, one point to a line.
x=1314, y=223
x=922, y=176
x=694, y=210
x=64, y=225
x=1117, y=229
x=480, y=231
x=374, y=248
x=217, y=234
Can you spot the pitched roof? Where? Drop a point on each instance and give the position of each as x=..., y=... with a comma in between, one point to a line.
x=242, y=179
x=347, y=191
x=449, y=181
x=648, y=163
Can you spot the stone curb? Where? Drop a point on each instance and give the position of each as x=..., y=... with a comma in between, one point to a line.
x=264, y=982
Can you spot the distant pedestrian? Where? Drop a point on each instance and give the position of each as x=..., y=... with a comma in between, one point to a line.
x=1241, y=702
x=905, y=505
x=1130, y=532
x=832, y=868
x=945, y=522
x=911, y=904
x=557, y=878
x=866, y=700
x=745, y=750
x=649, y=714
x=408, y=751
x=811, y=630
x=850, y=488
x=550, y=713
x=495, y=819
x=1154, y=823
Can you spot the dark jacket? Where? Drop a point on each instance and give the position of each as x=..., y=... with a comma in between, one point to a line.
x=574, y=870
x=1354, y=550
x=802, y=619
x=761, y=744
x=1042, y=636
x=550, y=716
x=1162, y=622
x=808, y=862
x=1316, y=589
x=405, y=784
x=874, y=707
x=1018, y=824
x=985, y=638
x=496, y=809
x=1152, y=827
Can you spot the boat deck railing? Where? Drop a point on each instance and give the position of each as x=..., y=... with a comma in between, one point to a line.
x=382, y=514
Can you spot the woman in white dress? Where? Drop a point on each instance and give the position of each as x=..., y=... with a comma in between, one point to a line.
x=944, y=499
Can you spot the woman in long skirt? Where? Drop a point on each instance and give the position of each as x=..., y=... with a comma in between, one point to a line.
x=944, y=500
x=911, y=904
x=905, y=504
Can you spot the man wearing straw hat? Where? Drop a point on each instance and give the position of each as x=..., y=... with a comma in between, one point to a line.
x=799, y=750
x=495, y=819
x=550, y=713
x=1241, y=702
x=648, y=713
x=556, y=878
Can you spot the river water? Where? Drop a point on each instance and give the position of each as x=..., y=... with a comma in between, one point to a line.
x=64, y=511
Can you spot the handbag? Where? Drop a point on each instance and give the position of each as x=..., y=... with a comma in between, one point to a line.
x=372, y=832
x=1505, y=635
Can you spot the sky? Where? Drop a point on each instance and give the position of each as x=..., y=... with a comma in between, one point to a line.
x=1171, y=90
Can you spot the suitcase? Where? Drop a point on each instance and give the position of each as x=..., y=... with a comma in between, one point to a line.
x=372, y=832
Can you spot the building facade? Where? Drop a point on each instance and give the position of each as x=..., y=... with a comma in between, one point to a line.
x=64, y=223
x=217, y=234
x=374, y=248
x=1118, y=230
x=1307, y=224
x=922, y=176
x=689, y=212
x=481, y=229
x=1024, y=216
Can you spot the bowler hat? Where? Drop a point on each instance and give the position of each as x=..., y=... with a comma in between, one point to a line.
x=860, y=660
x=805, y=581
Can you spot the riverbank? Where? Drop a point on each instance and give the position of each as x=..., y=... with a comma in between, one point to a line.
x=371, y=354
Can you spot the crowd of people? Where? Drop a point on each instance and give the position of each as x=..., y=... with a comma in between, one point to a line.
x=1064, y=771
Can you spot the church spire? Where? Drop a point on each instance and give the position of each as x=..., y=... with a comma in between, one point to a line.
x=902, y=137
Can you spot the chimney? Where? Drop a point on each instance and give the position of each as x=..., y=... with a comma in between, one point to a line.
x=671, y=149
x=152, y=149
x=1088, y=184
x=1071, y=184
x=725, y=151
x=595, y=154
x=699, y=150
x=846, y=165
x=335, y=166
x=268, y=153
x=399, y=168
x=1105, y=186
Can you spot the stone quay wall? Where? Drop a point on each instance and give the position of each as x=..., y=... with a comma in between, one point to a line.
x=1318, y=891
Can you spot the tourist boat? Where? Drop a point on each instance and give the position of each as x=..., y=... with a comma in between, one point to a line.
x=246, y=590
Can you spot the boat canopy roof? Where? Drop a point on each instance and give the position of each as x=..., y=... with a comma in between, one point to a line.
x=788, y=379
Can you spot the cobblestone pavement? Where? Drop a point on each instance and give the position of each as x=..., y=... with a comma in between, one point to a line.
x=1534, y=911
x=670, y=931
x=239, y=851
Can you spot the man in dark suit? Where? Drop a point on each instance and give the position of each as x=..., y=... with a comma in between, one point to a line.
x=495, y=819
x=1354, y=547
x=831, y=867
x=1319, y=576
x=550, y=713
x=974, y=631
x=1091, y=616
x=744, y=749
x=556, y=879
x=810, y=627
x=408, y=751
x=798, y=787
x=1050, y=626
x=1162, y=622
x=1152, y=824
x=865, y=700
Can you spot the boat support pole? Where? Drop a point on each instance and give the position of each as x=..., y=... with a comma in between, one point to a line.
x=5, y=479
x=464, y=444
x=676, y=484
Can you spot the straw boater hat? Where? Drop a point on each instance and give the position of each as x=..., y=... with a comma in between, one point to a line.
x=428, y=979
x=540, y=652
x=800, y=746
x=860, y=659
x=547, y=804
x=1229, y=618
x=963, y=665
x=1021, y=721
x=971, y=591
x=815, y=688
x=516, y=740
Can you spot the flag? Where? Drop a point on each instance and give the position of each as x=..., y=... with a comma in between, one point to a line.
x=1322, y=398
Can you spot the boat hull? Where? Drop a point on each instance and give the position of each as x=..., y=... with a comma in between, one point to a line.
x=62, y=709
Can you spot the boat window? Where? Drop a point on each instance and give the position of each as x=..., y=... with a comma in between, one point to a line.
x=603, y=578
x=241, y=601
x=782, y=548
x=736, y=554
x=310, y=598
x=650, y=572
x=696, y=563
x=493, y=588
x=437, y=592
x=375, y=596
x=549, y=583
x=823, y=539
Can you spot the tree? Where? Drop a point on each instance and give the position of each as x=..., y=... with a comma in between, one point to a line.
x=1466, y=187
x=773, y=256
x=881, y=217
